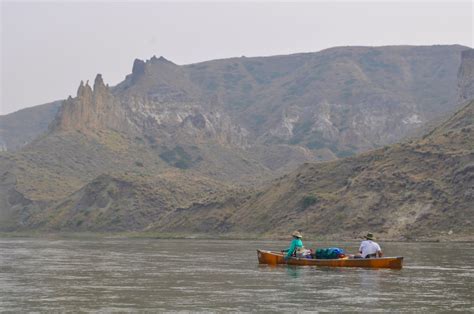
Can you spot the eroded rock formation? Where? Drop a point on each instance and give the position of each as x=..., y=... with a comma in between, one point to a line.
x=92, y=109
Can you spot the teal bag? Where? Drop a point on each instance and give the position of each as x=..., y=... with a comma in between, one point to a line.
x=329, y=253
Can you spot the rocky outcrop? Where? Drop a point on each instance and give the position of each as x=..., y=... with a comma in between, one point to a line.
x=138, y=70
x=138, y=113
x=184, y=122
x=92, y=109
x=159, y=80
x=466, y=75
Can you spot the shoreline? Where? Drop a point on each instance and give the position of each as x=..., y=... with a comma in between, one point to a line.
x=205, y=236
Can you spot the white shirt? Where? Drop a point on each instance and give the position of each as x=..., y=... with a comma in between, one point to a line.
x=369, y=247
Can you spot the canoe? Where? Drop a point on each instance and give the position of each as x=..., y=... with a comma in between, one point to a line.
x=275, y=258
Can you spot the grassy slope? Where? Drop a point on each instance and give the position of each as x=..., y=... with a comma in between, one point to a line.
x=418, y=189
x=100, y=181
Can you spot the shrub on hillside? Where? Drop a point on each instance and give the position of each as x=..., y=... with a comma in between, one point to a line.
x=308, y=201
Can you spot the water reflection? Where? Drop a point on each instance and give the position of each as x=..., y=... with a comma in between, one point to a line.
x=369, y=279
x=293, y=271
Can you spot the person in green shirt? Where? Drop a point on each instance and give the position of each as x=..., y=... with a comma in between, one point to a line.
x=295, y=244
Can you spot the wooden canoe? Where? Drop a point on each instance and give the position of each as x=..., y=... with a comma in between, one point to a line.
x=275, y=258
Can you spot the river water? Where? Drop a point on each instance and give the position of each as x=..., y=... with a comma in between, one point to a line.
x=126, y=275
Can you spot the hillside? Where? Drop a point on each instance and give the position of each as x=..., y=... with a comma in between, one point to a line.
x=184, y=148
x=20, y=128
x=336, y=102
x=418, y=190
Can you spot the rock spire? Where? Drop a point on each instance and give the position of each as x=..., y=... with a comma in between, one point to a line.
x=89, y=110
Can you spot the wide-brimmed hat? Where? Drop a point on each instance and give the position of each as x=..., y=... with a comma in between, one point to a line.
x=297, y=234
x=369, y=236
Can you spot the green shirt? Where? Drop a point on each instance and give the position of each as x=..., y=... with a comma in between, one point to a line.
x=295, y=243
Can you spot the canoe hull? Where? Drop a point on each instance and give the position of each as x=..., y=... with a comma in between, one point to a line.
x=275, y=258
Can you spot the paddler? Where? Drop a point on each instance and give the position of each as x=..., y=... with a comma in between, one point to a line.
x=296, y=244
x=369, y=248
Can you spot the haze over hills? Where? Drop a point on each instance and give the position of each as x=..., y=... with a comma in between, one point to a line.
x=169, y=148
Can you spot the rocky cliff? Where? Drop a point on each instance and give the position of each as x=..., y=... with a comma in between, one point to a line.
x=91, y=110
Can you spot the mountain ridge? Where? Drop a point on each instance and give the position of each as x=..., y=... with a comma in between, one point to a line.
x=280, y=124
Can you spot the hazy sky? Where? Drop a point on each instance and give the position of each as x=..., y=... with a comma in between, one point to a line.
x=48, y=47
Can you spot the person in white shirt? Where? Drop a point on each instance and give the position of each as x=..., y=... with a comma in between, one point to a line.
x=368, y=248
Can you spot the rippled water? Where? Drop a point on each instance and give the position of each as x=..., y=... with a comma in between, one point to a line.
x=200, y=275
